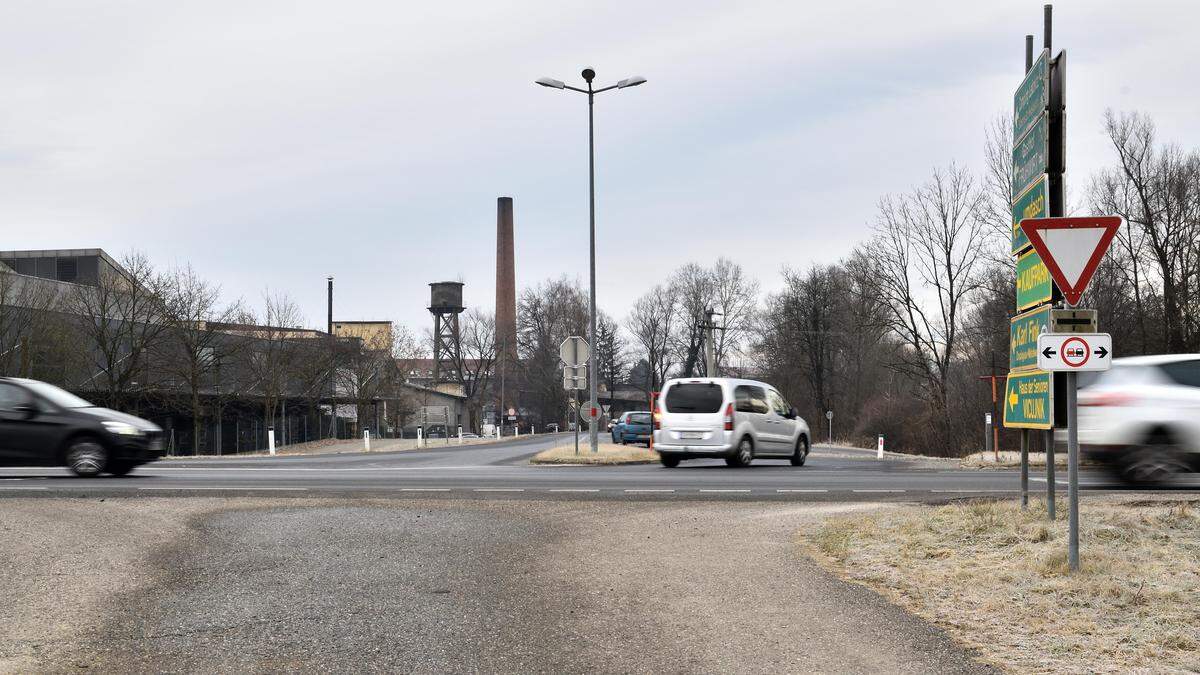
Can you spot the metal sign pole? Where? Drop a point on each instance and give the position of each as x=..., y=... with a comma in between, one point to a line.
x=1051, y=484
x=576, y=414
x=1024, y=469
x=1072, y=475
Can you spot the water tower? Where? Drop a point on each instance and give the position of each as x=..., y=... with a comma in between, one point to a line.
x=445, y=303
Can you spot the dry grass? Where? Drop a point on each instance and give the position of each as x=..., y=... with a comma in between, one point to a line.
x=1010, y=459
x=997, y=580
x=609, y=453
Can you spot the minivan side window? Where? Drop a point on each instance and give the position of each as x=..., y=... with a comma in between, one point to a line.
x=1186, y=373
x=694, y=397
x=780, y=406
x=750, y=399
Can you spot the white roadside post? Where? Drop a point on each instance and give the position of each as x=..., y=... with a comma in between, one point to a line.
x=420, y=437
x=366, y=440
x=1071, y=249
x=879, y=453
x=271, y=440
x=460, y=440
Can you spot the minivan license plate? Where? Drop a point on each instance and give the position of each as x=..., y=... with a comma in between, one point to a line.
x=691, y=434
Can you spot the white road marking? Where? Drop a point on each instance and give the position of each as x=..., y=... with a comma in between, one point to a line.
x=702, y=490
x=572, y=490
x=23, y=488
x=424, y=489
x=974, y=491
x=498, y=490
x=648, y=490
x=293, y=489
x=799, y=490
x=877, y=490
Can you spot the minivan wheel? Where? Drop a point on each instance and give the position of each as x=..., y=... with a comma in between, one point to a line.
x=1153, y=462
x=801, y=453
x=86, y=457
x=119, y=468
x=744, y=454
x=669, y=461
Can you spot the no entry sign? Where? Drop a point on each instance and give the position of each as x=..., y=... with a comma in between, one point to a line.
x=1074, y=352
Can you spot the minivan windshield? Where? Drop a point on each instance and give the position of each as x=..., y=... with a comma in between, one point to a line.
x=694, y=397
x=59, y=397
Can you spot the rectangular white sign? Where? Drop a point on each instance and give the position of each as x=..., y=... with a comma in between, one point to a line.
x=1074, y=352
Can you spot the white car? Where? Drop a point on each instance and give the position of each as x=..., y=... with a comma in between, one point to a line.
x=737, y=420
x=1142, y=417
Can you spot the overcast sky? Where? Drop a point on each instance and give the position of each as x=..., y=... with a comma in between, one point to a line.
x=270, y=144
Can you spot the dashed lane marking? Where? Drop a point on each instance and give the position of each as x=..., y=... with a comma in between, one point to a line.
x=800, y=490
x=22, y=488
x=703, y=490
x=878, y=490
x=498, y=490
x=252, y=489
x=424, y=489
x=573, y=490
x=648, y=490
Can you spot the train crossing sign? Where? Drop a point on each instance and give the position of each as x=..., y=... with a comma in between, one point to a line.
x=1072, y=248
x=1074, y=352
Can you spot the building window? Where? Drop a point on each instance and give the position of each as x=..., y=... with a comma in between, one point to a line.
x=67, y=269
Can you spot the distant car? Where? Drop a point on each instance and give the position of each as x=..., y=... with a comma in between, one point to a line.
x=632, y=427
x=552, y=428
x=1142, y=417
x=435, y=431
x=469, y=435
x=737, y=420
x=42, y=425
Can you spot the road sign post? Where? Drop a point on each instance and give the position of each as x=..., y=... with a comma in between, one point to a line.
x=829, y=418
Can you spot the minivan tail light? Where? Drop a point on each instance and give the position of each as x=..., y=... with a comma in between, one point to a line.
x=729, y=417
x=1106, y=399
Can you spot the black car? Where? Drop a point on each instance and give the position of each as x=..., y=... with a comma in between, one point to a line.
x=42, y=425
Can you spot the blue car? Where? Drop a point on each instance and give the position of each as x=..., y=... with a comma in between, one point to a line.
x=632, y=427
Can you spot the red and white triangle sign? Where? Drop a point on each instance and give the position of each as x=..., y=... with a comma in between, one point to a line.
x=1072, y=248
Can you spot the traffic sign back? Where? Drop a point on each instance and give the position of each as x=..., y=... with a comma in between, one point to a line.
x=1072, y=248
x=574, y=351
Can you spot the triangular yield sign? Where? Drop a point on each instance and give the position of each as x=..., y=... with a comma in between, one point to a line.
x=1071, y=248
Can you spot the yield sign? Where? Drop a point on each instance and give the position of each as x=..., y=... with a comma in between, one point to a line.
x=1071, y=248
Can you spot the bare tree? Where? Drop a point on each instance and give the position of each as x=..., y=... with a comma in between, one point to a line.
x=195, y=345
x=610, y=351
x=477, y=360
x=735, y=298
x=1157, y=191
x=120, y=321
x=275, y=351
x=925, y=262
x=998, y=188
x=34, y=339
x=651, y=325
x=548, y=314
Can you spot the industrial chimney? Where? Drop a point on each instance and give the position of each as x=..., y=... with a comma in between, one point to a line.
x=506, y=285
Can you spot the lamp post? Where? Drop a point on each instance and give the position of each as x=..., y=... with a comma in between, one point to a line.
x=588, y=76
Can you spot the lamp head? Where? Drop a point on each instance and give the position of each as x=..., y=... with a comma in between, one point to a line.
x=551, y=82
x=631, y=82
x=589, y=75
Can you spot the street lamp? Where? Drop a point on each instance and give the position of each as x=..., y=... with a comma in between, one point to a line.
x=588, y=76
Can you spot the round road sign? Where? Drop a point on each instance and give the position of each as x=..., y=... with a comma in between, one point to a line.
x=1076, y=352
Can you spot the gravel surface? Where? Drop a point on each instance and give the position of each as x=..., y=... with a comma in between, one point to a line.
x=259, y=585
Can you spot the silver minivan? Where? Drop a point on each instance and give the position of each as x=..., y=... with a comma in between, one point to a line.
x=737, y=420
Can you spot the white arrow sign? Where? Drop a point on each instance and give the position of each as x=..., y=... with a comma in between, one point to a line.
x=1074, y=352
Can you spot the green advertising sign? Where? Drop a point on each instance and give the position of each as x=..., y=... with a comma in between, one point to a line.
x=1030, y=204
x=1032, y=96
x=1029, y=400
x=1030, y=155
x=1034, y=286
x=1023, y=331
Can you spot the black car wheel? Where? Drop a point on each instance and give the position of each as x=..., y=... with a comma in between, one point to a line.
x=744, y=454
x=669, y=461
x=801, y=453
x=86, y=457
x=1153, y=462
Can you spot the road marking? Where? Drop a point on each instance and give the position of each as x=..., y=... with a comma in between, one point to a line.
x=974, y=491
x=23, y=488
x=877, y=490
x=799, y=490
x=293, y=489
x=572, y=490
x=498, y=490
x=724, y=490
x=424, y=489
x=648, y=490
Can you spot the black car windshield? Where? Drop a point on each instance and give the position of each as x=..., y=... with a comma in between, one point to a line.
x=694, y=397
x=59, y=397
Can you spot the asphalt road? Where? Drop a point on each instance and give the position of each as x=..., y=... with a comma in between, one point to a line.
x=833, y=473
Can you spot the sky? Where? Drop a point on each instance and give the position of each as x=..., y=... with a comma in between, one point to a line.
x=271, y=144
